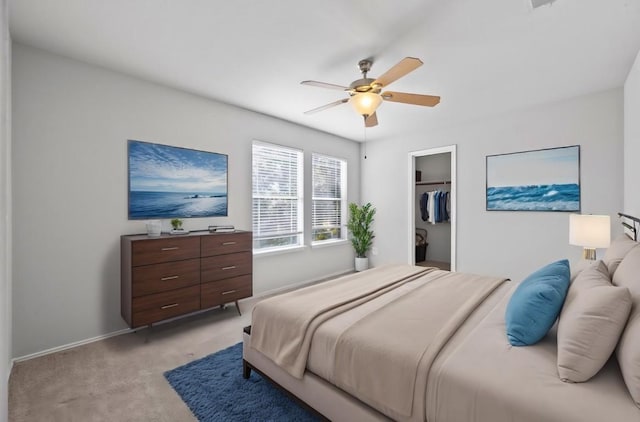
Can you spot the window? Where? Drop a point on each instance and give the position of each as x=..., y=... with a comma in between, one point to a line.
x=277, y=197
x=329, y=198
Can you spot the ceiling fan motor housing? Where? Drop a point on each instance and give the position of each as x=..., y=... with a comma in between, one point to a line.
x=364, y=85
x=365, y=66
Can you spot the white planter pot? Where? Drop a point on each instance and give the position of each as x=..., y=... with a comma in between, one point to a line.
x=362, y=264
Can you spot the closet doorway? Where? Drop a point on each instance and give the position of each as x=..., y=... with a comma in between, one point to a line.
x=432, y=207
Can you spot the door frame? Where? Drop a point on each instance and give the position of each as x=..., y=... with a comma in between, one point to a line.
x=412, y=200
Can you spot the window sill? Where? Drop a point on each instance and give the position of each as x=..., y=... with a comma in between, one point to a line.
x=327, y=243
x=278, y=251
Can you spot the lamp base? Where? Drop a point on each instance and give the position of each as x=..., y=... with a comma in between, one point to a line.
x=589, y=254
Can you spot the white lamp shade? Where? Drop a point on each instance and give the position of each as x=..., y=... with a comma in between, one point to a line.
x=365, y=103
x=590, y=231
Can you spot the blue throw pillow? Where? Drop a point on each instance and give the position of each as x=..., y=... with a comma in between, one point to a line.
x=536, y=303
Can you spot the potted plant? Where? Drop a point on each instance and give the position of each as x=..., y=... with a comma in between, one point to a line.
x=176, y=223
x=359, y=225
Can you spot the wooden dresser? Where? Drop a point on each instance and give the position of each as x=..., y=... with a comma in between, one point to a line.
x=167, y=276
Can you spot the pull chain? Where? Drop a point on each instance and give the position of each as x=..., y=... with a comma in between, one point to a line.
x=365, y=137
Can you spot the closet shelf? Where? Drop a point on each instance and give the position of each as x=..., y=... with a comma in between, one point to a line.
x=443, y=182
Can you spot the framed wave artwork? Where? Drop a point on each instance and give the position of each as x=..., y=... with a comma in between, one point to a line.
x=540, y=180
x=174, y=182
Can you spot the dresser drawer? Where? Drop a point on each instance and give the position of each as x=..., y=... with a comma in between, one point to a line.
x=226, y=266
x=225, y=291
x=219, y=244
x=164, y=250
x=157, y=278
x=153, y=308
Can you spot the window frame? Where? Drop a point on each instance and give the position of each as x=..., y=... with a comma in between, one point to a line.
x=298, y=199
x=343, y=200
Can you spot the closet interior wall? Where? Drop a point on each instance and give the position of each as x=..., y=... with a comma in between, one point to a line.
x=434, y=168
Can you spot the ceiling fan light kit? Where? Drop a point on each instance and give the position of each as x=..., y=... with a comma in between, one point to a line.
x=365, y=94
x=365, y=103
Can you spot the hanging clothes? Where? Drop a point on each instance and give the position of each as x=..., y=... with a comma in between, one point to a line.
x=435, y=206
x=432, y=207
x=444, y=196
x=424, y=206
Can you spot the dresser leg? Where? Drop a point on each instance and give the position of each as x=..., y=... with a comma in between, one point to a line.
x=238, y=308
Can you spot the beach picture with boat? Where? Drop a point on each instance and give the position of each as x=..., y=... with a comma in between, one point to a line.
x=174, y=182
x=541, y=180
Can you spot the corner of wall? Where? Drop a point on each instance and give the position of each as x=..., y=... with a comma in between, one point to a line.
x=631, y=138
x=5, y=211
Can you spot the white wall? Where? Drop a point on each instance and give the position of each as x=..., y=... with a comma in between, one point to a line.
x=632, y=140
x=5, y=207
x=504, y=243
x=71, y=122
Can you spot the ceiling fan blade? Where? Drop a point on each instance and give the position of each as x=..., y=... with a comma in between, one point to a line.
x=324, y=85
x=371, y=121
x=417, y=99
x=326, y=106
x=406, y=65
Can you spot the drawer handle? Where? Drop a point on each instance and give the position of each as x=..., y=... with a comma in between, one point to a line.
x=173, y=277
x=228, y=243
x=229, y=292
x=173, y=248
x=232, y=267
x=173, y=305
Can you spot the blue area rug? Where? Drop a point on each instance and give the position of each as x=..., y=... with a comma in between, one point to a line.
x=214, y=390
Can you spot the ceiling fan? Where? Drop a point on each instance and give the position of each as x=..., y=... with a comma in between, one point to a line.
x=366, y=94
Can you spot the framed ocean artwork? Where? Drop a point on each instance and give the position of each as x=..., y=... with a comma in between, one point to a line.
x=540, y=180
x=174, y=182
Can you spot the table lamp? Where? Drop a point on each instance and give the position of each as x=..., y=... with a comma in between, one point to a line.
x=590, y=232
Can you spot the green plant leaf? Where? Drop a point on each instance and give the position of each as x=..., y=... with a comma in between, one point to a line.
x=359, y=225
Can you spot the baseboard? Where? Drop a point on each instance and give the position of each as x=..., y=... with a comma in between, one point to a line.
x=70, y=345
x=9, y=370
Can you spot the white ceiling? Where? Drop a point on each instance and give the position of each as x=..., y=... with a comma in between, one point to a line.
x=481, y=57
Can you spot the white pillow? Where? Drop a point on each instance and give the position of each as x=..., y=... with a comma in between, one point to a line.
x=628, y=350
x=619, y=248
x=593, y=316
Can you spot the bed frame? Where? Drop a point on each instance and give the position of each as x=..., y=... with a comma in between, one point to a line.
x=318, y=396
x=631, y=225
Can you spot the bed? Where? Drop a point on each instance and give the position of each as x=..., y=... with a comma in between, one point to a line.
x=407, y=343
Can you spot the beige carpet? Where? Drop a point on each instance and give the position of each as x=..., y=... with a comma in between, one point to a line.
x=120, y=378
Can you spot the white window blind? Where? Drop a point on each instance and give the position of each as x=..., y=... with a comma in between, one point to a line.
x=277, y=196
x=329, y=198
